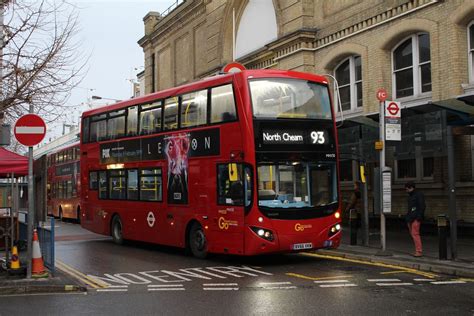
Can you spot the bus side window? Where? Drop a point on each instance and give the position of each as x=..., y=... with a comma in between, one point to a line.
x=151, y=187
x=223, y=104
x=102, y=185
x=132, y=184
x=194, y=109
x=171, y=113
x=132, y=121
x=93, y=184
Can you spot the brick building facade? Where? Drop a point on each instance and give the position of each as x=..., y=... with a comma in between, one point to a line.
x=420, y=51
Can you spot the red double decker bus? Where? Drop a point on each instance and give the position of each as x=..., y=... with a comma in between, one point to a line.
x=63, y=188
x=242, y=163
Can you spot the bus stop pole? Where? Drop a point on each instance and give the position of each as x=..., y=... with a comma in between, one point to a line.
x=382, y=167
x=452, y=193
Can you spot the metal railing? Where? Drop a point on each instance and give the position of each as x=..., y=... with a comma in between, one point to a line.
x=172, y=7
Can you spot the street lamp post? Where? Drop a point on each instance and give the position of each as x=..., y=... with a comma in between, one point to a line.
x=96, y=97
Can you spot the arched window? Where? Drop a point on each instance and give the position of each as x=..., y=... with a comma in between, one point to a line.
x=349, y=77
x=470, y=30
x=412, y=66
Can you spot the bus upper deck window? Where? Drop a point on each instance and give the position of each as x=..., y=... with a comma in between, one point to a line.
x=171, y=113
x=223, y=104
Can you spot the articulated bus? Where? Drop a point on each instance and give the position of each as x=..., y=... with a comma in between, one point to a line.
x=63, y=188
x=242, y=163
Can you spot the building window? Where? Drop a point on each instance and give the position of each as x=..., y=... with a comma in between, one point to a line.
x=470, y=30
x=349, y=78
x=412, y=66
x=418, y=169
x=346, y=172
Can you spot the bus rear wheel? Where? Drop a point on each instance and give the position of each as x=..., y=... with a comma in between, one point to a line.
x=117, y=234
x=198, y=241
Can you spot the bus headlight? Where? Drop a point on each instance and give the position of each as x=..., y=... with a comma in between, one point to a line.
x=263, y=233
x=334, y=229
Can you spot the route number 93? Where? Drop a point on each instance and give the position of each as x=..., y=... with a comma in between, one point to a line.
x=317, y=137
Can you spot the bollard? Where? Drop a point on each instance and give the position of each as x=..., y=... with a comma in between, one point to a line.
x=443, y=237
x=353, y=226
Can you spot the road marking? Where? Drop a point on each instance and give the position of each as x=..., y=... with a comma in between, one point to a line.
x=301, y=276
x=117, y=286
x=449, y=282
x=80, y=276
x=393, y=284
x=165, y=285
x=111, y=290
x=279, y=287
x=423, y=280
x=331, y=281
x=220, y=288
x=383, y=280
x=167, y=289
x=220, y=284
x=273, y=283
x=393, y=272
x=338, y=285
x=377, y=264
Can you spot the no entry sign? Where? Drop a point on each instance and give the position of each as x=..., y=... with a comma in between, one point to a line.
x=30, y=130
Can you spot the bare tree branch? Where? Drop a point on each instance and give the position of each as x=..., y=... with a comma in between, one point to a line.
x=41, y=61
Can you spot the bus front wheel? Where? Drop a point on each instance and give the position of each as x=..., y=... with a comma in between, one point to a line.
x=117, y=234
x=198, y=241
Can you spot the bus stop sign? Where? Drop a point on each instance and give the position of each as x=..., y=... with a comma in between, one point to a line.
x=30, y=130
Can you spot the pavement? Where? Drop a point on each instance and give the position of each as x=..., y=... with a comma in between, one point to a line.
x=398, y=245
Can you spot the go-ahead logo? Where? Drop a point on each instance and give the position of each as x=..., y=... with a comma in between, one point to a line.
x=225, y=223
x=300, y=227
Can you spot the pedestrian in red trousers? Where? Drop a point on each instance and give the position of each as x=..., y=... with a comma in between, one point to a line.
x=416, y=210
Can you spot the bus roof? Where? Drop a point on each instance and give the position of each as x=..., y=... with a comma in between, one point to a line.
x=205, y=83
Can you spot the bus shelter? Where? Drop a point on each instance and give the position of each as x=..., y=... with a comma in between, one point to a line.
x=434, y=151
x=12, y=166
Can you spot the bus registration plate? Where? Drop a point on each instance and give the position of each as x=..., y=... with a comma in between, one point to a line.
x=302, y=246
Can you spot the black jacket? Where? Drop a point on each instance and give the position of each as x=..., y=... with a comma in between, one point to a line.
x=416, y=206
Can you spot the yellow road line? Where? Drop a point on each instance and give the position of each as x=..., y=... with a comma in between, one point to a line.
x=377, y=264
x=317, y=279
x=81, y=276
x=393, y=272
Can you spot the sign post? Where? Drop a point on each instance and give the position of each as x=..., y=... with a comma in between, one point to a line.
x=30, y=130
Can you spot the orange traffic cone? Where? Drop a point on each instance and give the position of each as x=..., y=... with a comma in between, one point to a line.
x=37, y=270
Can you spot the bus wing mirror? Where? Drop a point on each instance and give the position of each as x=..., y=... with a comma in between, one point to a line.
x=233, y=176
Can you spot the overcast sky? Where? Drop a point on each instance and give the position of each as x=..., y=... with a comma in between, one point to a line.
x=109, y=31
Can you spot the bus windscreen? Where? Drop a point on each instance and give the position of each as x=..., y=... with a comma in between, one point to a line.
x=275, y=98
x=297, y=185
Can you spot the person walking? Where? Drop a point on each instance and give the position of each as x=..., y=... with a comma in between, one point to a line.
x=415, y=213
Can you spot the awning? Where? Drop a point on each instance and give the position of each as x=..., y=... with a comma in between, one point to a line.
x=11, y=163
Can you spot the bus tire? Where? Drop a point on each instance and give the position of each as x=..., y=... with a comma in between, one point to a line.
x=116, y=230
x=198, y=241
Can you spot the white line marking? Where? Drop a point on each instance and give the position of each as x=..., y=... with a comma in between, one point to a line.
x=29, y=130
x=330, y=281
x=273, y=283
x=167, y=289
x=117, y=286
x=448, y=282
x=423, y=280
x=220, y=288
x=220, y=284
x=338, y=285
x=112, y=290
x=166, y=285
x=280, y=287
x=393, y=284
x=383, y=280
